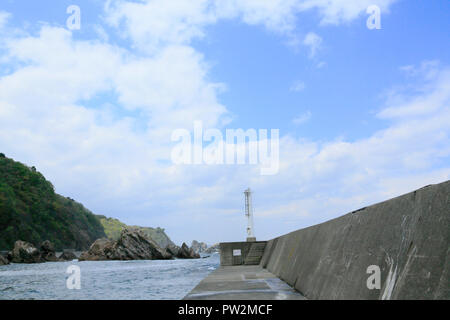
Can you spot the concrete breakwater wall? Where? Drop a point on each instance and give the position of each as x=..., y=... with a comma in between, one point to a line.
x=407, y=238
x=241, y=253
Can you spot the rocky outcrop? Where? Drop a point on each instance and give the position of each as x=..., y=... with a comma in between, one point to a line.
x=67, y=255
x=213, y=248
x=25, y=252
x=187, y=253
x=183, y=252
x=134, y=243
x=3, y=261
x=5, y=254
x=113, y=228
x=131, y=245
x=173, y=249
x=198, y=247
x=48, y=251
x=101, y=249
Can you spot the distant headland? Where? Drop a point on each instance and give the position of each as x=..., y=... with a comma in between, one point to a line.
x=36, y=222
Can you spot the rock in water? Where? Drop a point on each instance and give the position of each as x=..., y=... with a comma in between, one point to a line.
x=48, y=251
x=187, y=253
x=182, y=253
x=101, y=249
x=199, y=247
x=5, y=254
x=67, y=255
x=25, y=252
x=214, y=248
x=3, y=261
x=131, y=245
x=135, y=245
x=173, y=249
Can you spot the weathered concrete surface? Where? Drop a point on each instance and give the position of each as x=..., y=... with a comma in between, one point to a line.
x=408, y=237
x=250, y=253
x=243, y=283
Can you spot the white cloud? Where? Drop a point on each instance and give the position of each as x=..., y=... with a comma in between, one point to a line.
x=305, y=117
x=314, y=42
x=57, y=70
x=172, y=87
x=152, y=23
x=298, y=86
x=427, y=68
x=101, y=32
x=4, y=17
x=418, y=103
x=280, y=15
x=321, y=64
x=343, y=11
x=275, y=15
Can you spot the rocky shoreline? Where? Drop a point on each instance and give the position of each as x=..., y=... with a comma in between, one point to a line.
x=132, y=244
x=25, y=252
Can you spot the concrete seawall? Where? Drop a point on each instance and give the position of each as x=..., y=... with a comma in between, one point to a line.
x=248, y=253
x=407, y=237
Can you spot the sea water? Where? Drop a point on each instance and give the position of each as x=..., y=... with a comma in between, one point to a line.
x=103, y=280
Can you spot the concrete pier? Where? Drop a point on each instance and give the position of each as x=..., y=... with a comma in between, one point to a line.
x=403, y=242
x=243, y=283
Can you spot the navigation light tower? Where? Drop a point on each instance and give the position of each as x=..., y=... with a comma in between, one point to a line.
x=249, y=215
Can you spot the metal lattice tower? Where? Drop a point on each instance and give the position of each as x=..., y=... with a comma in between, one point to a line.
x=249, y=215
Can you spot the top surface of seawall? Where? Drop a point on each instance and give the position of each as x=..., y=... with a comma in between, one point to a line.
x=407, y=237
x=242, y=283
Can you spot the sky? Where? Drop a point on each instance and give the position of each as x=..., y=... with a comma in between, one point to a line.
x=363, y=113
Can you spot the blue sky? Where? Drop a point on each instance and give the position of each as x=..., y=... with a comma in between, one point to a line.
x=363, y=114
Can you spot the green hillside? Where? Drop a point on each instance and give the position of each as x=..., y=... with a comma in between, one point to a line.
x=113, y=227
x=30, y=210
